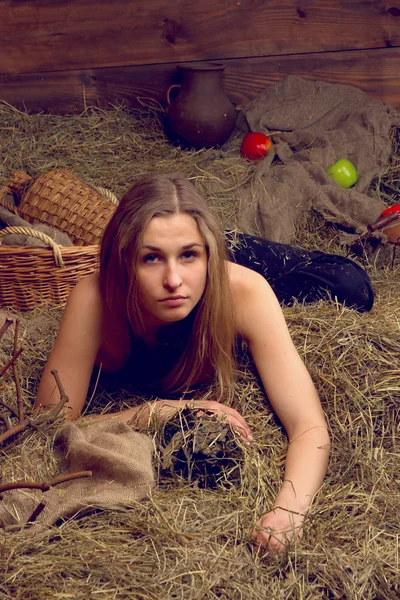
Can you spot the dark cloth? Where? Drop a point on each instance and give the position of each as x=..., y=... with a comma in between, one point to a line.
x=297, y=274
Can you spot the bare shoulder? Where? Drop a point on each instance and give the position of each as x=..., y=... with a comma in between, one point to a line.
x=83, y=310
x=255, y=304
x=86, y=291
x=246, y=283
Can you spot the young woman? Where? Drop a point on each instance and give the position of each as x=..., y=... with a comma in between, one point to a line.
x=164, y=311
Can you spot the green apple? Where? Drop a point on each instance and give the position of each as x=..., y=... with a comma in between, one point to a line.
x=343, y=172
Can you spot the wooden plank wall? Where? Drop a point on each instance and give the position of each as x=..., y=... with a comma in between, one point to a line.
x=63, y=55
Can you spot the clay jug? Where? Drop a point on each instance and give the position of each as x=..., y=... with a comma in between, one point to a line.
x=201, y=116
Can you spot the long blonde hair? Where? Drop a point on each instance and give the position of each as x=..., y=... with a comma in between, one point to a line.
x=209, y=349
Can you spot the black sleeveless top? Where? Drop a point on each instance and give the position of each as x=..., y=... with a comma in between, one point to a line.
x=148, y=365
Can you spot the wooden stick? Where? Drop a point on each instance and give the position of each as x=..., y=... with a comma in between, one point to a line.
x=63, y=396
x=37, y=511
x=11, y=362
x=20, y=402
x=6, y=421
x=9, y=408
x=45, y=485
x=16, y=329
x=14, y=430
x=5, y=326
x=43, y=419
x=46, y=418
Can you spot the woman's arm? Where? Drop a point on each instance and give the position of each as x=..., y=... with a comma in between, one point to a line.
x=75, y=349
x=162, y=410
x=294, y=398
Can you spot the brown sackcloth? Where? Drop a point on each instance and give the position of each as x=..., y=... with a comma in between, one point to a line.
x=9, y=219
x=317, y=123
x=119, y=458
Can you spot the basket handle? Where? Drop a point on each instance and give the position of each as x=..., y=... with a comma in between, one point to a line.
x=106, y=193
x=40, y=236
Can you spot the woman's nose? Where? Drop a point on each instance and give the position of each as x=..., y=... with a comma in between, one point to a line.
x=172, y=278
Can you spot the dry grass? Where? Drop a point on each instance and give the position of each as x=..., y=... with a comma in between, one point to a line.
x=190, y=542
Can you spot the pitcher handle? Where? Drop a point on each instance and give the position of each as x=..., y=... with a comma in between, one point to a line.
x=171, y=87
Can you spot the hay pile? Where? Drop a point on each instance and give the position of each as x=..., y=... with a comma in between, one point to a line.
x=189, y=541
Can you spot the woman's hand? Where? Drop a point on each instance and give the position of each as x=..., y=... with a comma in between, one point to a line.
x=226, y=414
x=277, y=528
x=165, y=409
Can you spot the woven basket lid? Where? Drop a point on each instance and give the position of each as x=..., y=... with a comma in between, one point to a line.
x=62, y=200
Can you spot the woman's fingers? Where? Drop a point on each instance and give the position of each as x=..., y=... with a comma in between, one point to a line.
x=231, y=412
x=277, y=528
x=229, y=415
x=243, y=430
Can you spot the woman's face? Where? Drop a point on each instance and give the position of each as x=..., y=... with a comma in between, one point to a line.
x=172, y=269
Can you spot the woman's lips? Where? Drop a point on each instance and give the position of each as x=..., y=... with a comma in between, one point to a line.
x=173, y=301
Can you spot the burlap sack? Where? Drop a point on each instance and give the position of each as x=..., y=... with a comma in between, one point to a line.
x=119, y=458
x=312, y=124
x=9, y=219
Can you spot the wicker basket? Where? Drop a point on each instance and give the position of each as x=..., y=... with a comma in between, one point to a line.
x=61, y=200
x=33, y=276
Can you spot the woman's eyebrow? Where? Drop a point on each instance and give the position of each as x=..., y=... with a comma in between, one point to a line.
x=185, y=247
x=195, y=244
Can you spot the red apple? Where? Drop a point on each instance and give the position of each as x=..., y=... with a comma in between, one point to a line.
x=395, y=208
x=255, y=145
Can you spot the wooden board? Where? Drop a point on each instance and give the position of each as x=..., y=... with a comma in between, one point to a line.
x=374, y=71
x=60, y=35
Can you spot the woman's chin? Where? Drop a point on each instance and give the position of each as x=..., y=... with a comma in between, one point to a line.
x=174, y=315
x=171, y=315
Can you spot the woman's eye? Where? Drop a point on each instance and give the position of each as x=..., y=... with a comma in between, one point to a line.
x=189, y=255
x=150, y=258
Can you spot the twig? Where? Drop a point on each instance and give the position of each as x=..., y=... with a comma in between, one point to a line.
x=43, y=419
x=45, y=485
x=42, y=504
x=9, y=408
x=6, y=421
x=14, y=430
x=11, y=362
x=37, y=511
x=5, y=326
x=63, y=396
x=20, y=402
x=16, y=336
